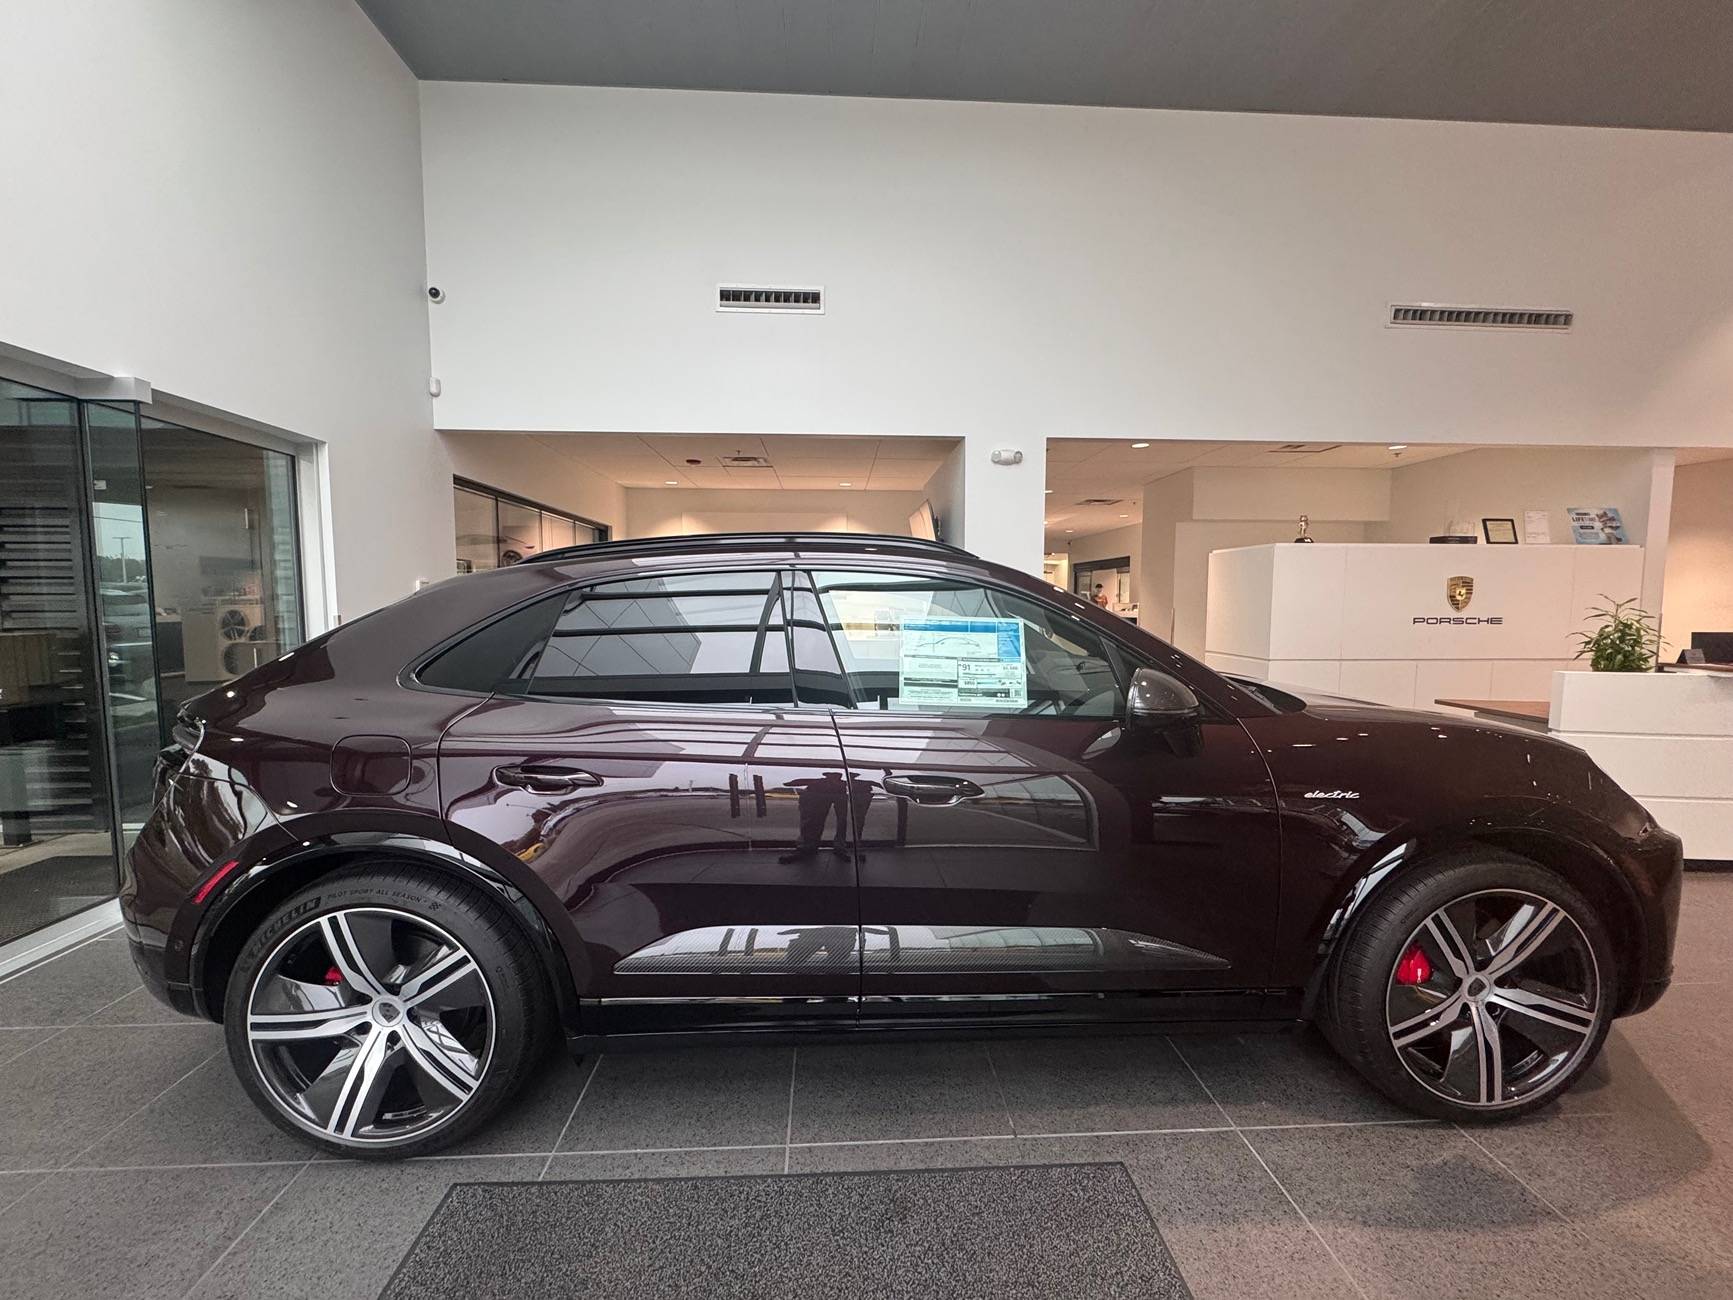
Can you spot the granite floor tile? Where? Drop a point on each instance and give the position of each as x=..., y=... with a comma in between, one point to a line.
x=1283, y=1078
x=1097, y=1085
x=205, y=1118
x=666, y=1164
x=1424, y=1211
x=340, y=1228
x=74, y=1089
x=850, y=1092
x=689, y=1097
x=1652, y=1188
x=138, y=1233
x=139, y=1007
x=71, y=987
x=15, y=1042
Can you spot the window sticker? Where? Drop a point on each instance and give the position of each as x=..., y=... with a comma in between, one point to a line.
x=969, y=661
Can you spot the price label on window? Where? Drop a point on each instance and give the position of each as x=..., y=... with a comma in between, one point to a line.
x=977, y=662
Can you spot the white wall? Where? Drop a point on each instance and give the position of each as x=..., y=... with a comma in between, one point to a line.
x=542, y=469
x=675, y=512
x=1502, y=482
x=1288, y=492
x=1014, y=271
x=225, y=200
x=1699, y=590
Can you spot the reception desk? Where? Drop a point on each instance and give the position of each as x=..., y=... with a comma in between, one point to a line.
x=1396, y=623
x=1667, y=738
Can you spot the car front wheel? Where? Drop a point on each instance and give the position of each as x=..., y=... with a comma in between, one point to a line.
x=1479, y=989
x=383, y=1013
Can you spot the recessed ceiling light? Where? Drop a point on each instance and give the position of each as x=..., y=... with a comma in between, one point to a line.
x=1398, y=446
x=845, y=484
x=672, y=482
x=1139, y=446
x=1125, y=516
x=1049, y=491
x=1070, y=530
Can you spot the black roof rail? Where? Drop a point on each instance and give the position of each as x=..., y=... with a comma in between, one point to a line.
x=791, y=541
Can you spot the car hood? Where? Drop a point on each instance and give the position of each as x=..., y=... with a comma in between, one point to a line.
x=1342, y=708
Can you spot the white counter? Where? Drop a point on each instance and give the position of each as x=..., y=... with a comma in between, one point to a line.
x=1373, y=621
x=1667, y=738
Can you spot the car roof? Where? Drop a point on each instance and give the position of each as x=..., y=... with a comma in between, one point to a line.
x=722, y=543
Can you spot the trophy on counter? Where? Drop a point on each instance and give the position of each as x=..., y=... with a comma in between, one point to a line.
x=1305, y=525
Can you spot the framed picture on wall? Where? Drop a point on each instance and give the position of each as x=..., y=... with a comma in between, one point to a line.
x=1499, y=532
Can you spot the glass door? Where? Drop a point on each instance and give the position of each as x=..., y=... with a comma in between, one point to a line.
x=57, y=850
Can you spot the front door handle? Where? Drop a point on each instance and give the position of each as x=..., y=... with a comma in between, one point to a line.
x=933, y=791
x=545, y=778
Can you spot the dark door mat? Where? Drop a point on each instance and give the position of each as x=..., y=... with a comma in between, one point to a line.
x=1078, y=1231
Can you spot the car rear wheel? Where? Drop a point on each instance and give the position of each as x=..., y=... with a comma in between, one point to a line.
x=1479, y=989
x=383, y=1013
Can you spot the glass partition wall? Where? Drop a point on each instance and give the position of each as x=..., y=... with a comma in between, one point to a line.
x=495, y=530
x=141, y=563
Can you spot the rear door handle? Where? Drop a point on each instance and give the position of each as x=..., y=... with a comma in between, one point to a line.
x=934, y=791
x=546, y=778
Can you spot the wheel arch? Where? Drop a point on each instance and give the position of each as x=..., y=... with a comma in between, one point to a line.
x=244, y=905
x=1571, y=856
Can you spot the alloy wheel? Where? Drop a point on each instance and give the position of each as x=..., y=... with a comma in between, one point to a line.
x=370, y=1025
x=1493, y=998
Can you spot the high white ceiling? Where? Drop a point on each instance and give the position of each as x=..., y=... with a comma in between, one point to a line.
x=797, y=461
x=1083, y=468
x=1648, y=63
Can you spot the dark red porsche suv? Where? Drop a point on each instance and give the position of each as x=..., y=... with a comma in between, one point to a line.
x=787, y=785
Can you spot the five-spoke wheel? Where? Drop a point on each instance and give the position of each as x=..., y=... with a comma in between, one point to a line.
x=1493, y=996
x=371, y=1024
x=384, y=1013
x=1477, y=985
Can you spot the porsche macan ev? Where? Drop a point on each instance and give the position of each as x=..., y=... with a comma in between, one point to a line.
x=794, y=785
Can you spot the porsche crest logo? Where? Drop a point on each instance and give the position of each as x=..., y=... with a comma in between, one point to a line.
x=1459, y=591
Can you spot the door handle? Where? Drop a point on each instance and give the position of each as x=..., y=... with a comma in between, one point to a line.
x=545, y=778
x=933, y=791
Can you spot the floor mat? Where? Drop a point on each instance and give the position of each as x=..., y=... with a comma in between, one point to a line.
x=1079, y=1231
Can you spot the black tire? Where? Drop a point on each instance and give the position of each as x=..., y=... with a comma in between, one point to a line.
x=1357, y=1009
x=516, y=994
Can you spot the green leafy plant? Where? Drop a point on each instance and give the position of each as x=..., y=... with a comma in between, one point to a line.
x=1627, y=639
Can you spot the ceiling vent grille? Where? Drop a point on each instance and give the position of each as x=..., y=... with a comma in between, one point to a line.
x=1303, y=448
x=1102, y=501
x=762, y=298
x=745, y=462
x=1433, y=315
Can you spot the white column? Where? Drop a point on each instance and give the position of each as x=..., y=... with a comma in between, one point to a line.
x=1661, y=464
x=1002, y=505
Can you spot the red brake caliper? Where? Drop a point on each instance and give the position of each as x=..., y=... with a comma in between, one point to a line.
x=1414, y=968
x=333, y=976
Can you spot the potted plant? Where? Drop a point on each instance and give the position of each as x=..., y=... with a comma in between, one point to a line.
x=1627, y=639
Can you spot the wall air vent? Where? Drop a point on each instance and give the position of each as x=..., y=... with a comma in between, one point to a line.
x=758, y=297
x=1433, y=315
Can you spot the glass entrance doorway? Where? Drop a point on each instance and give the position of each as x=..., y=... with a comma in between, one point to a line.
x=141, y=563
x=57, y=846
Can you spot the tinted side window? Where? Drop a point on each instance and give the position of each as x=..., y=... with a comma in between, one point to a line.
x=699, y=639
x=499, y=656
x=924, y=644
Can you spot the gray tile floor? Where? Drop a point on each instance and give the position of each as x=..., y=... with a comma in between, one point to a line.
x=131, y=1164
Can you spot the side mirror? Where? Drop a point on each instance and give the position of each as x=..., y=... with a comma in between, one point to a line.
x=1157, y=701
